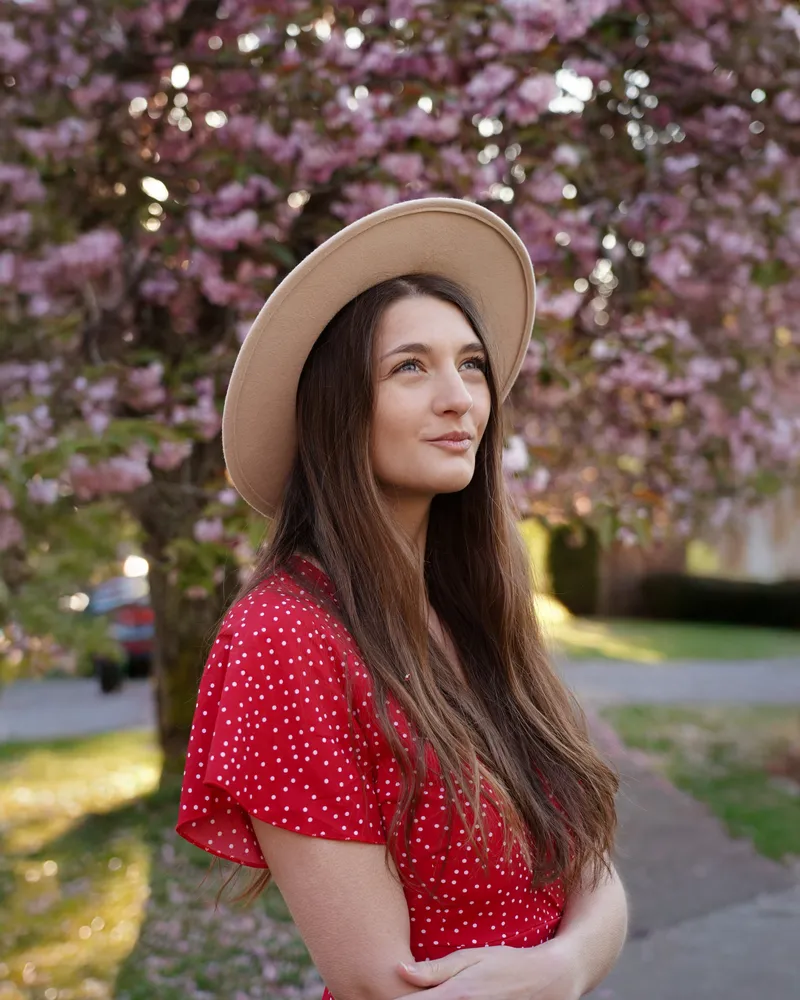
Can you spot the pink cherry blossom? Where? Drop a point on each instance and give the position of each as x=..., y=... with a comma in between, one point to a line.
x=242, y=329
x=591, y=68
x=11, y=532
x=120, y=474
x=229, y=497
x=209, y=530
x=661, y=212
x=43, y=491
x=679, y=164
x=144, y=388
x=526, y=112
x=700, y=12
x=790, y=19
x=24, y=184
x=215, y=288
x=693, y=52
x=67, y=137
x=99, y=88
x=536, y=92
x=12, y=51
x=490, y=83
x=170, y=454
x=96, y=420
x=515, y=455
x=232, y=198
x=159, y=287
x=405, y=167
x=561, y=306
x=787, y=103
x=7, y=267
x=91, y=255
x=32, y=429
x=224, y=234
x=670, y=266
x=546, y=186
x=372, y=195
x=204, y=415
x=15, y=227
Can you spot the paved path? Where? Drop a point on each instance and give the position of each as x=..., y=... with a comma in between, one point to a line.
x=746, y=682
x=69, y=707
x=32, y=710
x=745, y=952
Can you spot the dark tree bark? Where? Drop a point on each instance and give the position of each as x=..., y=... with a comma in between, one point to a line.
x=184, y=630
x=185, y=621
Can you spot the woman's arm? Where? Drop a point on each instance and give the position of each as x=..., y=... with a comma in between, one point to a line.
x=588, y=942
x=593, y=929
x=351, y=913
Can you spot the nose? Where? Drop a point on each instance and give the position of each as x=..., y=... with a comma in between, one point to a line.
x=452, y=395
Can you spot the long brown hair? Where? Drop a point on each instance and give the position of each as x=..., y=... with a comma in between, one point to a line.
x=515, y=726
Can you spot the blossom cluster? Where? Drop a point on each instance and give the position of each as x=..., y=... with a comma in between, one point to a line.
x=165, y=164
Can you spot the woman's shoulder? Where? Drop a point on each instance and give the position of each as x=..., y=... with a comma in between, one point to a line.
x=284, y=608
x=283, y=629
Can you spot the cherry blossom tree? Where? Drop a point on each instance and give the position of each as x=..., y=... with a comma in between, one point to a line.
x=164, y=163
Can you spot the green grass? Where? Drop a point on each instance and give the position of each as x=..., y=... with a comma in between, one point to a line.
x=656, y=641
x=99, y=898
x=728, y=758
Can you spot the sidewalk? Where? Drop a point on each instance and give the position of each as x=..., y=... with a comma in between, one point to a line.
x=40, y=710
x=710, y=919
x=746, y=952
x=70, y=707
x=747, y=682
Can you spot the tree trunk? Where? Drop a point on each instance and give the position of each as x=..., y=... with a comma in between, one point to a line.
x=184, y=630
x=185, y=626
x=623, y=569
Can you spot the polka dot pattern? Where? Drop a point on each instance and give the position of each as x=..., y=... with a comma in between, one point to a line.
x=272, y=737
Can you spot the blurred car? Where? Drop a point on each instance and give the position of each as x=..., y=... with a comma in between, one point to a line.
x=125, y=601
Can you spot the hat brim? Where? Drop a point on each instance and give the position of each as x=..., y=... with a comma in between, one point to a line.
x=455, y=239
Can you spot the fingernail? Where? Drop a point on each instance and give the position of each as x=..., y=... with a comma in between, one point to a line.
x=410, y=966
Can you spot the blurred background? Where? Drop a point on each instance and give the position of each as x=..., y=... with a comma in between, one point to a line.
x=163, y=164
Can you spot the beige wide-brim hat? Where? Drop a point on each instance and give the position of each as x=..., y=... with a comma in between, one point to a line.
x=448, y=237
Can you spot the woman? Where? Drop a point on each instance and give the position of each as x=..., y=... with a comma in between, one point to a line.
x=378, y=723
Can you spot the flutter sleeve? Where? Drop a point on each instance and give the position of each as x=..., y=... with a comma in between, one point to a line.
x=272, y=737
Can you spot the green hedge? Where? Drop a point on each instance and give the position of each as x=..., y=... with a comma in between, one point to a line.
x=573, y=565
x=679, y=597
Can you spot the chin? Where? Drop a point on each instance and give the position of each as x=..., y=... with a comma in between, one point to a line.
x=451, y=484
x=430, y=482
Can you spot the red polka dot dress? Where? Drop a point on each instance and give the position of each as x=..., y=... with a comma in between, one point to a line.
x=272, y=737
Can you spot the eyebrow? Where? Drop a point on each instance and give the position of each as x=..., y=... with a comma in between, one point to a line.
x=417, y=348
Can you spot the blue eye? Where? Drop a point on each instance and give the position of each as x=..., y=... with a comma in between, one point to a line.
x=479, y=362
x=404, y=366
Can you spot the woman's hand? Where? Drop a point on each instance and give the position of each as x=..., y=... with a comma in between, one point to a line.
x=549, y=971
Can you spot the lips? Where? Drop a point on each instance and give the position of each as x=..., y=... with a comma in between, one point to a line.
x=457, y=442
x=454, y=436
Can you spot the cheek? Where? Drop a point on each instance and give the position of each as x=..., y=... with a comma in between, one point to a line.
x=481, y=407
x=388, y=421
x=392, y=430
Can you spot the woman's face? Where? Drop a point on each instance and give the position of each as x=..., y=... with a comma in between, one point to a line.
x=430, y=384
